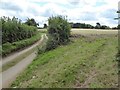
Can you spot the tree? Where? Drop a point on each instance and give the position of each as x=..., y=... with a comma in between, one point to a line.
x=118, y=27
x=31, y=22
x=81, y=25
x=45, y=26
x=104, y=27
x=97, y=25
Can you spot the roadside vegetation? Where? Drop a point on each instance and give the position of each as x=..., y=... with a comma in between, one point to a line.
x=88, y=61
x=13, y=30
x=17, y=35
x=8, y=48
x=58, y=32
x=24, y=55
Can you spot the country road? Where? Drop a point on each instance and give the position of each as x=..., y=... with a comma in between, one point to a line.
x=10, y=74
x=16, y=54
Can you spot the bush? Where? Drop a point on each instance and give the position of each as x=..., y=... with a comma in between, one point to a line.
x=58, y=32
x=52, y=43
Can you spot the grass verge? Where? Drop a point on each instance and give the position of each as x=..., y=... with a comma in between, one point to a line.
x=79, y=64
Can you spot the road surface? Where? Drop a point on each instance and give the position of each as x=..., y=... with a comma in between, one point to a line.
x=10, y=74
x=16, y=54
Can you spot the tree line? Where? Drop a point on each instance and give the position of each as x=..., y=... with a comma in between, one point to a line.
x=88, y=26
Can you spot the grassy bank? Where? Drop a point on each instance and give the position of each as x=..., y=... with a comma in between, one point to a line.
x=8, y=48
x=86, y=62
x=22, y=56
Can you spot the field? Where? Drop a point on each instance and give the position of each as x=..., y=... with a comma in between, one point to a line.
x=89, y=60
x=93, y=31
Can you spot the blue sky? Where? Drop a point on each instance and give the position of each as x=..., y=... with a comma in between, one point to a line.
x=83, y=11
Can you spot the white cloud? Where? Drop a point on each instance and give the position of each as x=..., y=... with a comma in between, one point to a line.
x=88, y=11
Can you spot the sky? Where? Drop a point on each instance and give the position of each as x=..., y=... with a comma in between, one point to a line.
x=81, y=11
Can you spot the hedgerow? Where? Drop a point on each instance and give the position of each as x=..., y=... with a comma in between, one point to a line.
x=13, y=30
x=8, y=48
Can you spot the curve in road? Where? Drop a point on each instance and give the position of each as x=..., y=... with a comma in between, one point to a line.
x=10, y=74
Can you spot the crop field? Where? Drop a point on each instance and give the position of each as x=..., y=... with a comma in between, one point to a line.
x=93, y=31
x=89, y=60
x=88, y=31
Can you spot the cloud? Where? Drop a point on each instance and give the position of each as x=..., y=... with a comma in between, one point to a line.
x=74, y=2
x=89, y=16
x=109, y=13
x=86, y=11
x=10, y=6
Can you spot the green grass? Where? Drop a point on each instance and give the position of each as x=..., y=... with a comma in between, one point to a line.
x=8, y=48
x=19, y=58
x=74, y=64
x=42, y=30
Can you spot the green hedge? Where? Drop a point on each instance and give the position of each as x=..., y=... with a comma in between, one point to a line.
x=7, y=48
x=13, y=30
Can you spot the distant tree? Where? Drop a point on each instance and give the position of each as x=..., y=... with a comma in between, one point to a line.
x=71, y=24
x=81, y=25
x=104, y=27
x=31, y=22
x=114, y=27
x=118, y=27
x=45, y=26
x=89, y=26
x=97, y=25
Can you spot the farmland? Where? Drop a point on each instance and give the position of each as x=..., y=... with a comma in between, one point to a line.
x=89, y=60
x=94, y=31
x=58, y=56
x=66, y=44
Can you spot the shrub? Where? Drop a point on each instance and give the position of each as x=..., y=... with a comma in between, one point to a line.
x=58, y=32
x=52, y=43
